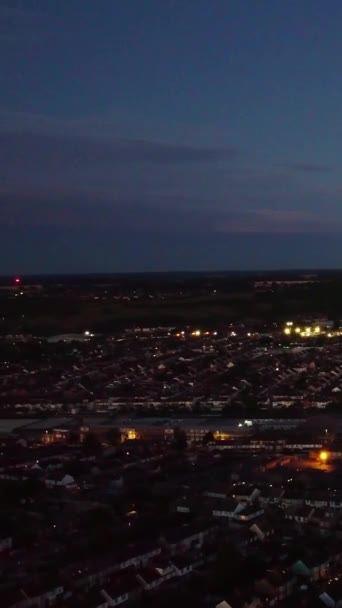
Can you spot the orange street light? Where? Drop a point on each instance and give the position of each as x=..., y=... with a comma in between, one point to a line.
x=323, y=456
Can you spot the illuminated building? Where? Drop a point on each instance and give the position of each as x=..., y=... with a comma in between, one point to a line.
x=308, y=331
x=56, y=436
x=220, y=436
x=132, y=434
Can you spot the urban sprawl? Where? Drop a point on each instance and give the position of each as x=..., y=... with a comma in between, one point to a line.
x=172, y=464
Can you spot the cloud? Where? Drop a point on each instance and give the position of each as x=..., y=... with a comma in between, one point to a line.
x=59, y=250
x=34, y=151
x=143, y=213
x=13, y=14
x=310, y=168
x=29, y=122
x=99, y=211
x=20, y=24
x=56, y=173
x=279, y=221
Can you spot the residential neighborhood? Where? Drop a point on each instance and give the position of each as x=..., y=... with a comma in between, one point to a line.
x=172, y=370
x=92, y=516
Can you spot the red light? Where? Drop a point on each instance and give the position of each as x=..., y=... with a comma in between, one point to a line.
x=17, y=280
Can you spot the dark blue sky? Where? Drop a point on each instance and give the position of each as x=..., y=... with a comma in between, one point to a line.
x=170, y=135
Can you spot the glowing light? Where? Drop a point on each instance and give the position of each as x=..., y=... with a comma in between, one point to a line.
x=17, y=280
x=289, y=323
x=323, y=456
x=196, y=333
x=219, y=435
x=297, y=330
x=87, y=333
x=287, y=331
x=317, y=329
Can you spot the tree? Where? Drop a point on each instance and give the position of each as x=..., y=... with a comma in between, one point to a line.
x=180, y=439
x=113, y=436
x=227, y=568
x=99, y=518
x=91, y=444
x=74, y=437
x=12, y=492
x=208, y=438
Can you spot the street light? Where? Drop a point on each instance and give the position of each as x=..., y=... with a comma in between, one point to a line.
x=323, y=456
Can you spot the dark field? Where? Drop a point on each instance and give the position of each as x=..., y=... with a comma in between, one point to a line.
x=55, y=304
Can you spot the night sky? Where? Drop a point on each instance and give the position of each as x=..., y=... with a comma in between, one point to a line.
x=142, y=135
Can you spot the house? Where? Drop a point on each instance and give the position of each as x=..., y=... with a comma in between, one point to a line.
x=185, y=537
x=335, y=501
x=227, y=508
x=139, y=555
x=185, y=505
x=216, y=493
x=97, y=572
x=57, y=479
x=237, y=511
x=276, y=495
x=299, y=568
x=320, y=564
x=151, y=578
x=249, y=512
x=34, y=597
x=331, y=596
x=117, y=590
x=317, y=499
x=261, y=530
x=276, y=585
x=245, y=602
x=242, y=492
x=6, y=543
x=185, y=564
x=292, y=498
x=316, y=565
x=301, y=515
